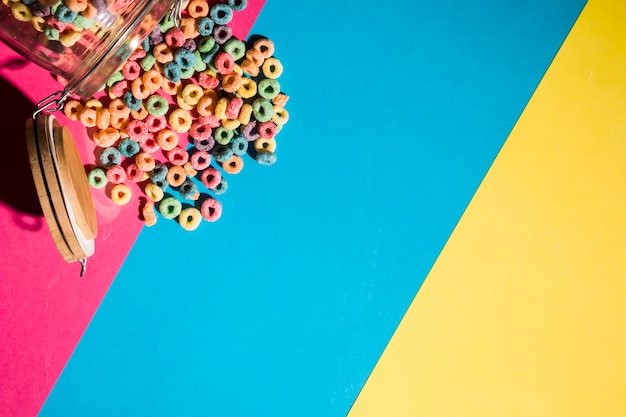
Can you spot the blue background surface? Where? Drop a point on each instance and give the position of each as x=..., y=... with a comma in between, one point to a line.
x=283, y=307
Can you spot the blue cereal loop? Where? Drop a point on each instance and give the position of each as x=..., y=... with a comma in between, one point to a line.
x=110, y=156
x=172, y=71
x=221, y=14
x=221, y=187
x=128, y=148
x=184, y=58
x=188, y=189
x=238, y=5
x=131, y=101
x=222, y=153
x=64, y=14
x=266, y=158
x=159, y=172
x=205, y=26
x=239, y=145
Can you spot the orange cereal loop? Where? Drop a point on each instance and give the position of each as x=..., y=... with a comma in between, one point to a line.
x=265, y=145
x=176, y=176
x=145, y=161
x=76, y=5
x=152, y=80
x=234, y=165
x=162, y=53
x=245, y=113
x=140, y=114
x=72, y=109
x=119, y=120
x=280, y=116
x=189, y=170
x=280, y=100
x=248, y=88
x=272, y=68
x=139, y=89
x=188, y=27
x=255, y=56
x=170, y=87
x=106, y=137
x=265, y=47
x=148, y=214
x=249, y=67
x=117, y=106
x=180, y=120
x=88, y=117
x=167, y=139
x=103, y=118
x=198, y=8
x=206, y=105
x=231, y=124
x=231, y=82
x=220, y=108
x=90, y=11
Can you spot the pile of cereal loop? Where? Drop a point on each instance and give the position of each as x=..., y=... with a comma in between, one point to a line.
x=183, y=112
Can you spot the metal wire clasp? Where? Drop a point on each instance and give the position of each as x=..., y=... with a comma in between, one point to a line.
x=54, y=102
x=177, y=13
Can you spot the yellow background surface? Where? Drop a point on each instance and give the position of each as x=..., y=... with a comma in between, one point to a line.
x=524, y=312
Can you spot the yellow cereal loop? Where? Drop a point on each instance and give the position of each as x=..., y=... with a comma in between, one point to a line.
x=94, y=104
x=154, y=192
x=247, y=89
x=180, y=120
x=272, y=68
x=231, y=124
x=38, y=23
x=192, y=93
x=120, y=194
x=220, y=108
x=245, y=113
x=190, y=218
x=280, y=116
x=21, y=12
x=70, y=38
x=180, y=101
x=265, y=145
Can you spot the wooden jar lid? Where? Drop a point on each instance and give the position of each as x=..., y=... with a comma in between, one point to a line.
x=62, y=187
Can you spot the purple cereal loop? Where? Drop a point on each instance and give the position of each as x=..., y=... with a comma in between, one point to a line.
x=204, y=144
x=190, y=45
x=222, y=34
x=249, y=132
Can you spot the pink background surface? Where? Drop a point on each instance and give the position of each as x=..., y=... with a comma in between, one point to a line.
x=44, y=305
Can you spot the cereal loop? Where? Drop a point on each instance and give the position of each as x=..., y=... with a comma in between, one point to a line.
x=178, y=156
x=154, y=192
x=198, y=8
x=116, y=174
x=265, y=47
x=224, y=63
x=176, y=175
x=72, y=109
x=265, y=145
x=272, y=68
x=120, y=194
x=180, y=120
x=200, y=160
x=234, y=165
x=190, y=219
x=145, y=161
x=170, y=207
x=211, y=210
x=210, y=177
x=167, y=139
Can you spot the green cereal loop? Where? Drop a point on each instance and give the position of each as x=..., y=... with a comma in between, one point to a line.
x=157, y=105
x=51, y=33
x=83, y=22
x=236, y=48
x=97, y=178
x=170, y=207
x=262, y=110
x=117, y=76
x=187, y=73
x=147, y=62
x=206, y=44
x=268, y=88
x=200, y=65
x=223, y=136
x=167, y=23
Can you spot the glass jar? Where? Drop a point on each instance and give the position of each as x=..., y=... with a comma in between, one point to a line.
x=83, y=47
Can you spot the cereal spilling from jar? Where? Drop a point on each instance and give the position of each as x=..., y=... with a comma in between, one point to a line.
x=183, y=113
